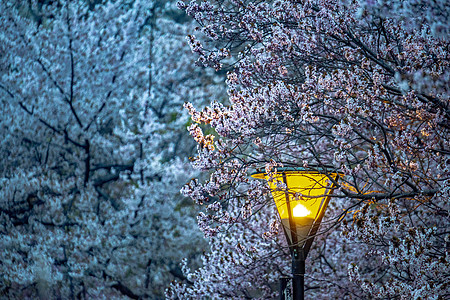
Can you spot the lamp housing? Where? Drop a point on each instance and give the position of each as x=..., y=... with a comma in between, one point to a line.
x=301, y=197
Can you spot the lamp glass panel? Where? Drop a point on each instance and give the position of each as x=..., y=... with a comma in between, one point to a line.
x=307, y=194
x=307, y=191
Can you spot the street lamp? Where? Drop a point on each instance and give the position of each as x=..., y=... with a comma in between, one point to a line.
x=301, y=197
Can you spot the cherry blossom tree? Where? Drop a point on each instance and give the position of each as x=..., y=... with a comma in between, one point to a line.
x=93, y=149
x=355, y=87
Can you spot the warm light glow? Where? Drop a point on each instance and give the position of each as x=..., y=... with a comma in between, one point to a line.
x=300, y=211
x=312, y=187
x=301, y=200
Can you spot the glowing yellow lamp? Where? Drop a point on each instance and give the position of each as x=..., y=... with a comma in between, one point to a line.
x=300, y=211
x=301, y=198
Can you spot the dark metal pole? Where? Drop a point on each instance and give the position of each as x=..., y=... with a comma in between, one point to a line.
x=298, y=278
x=283, y=286
x=298, y=256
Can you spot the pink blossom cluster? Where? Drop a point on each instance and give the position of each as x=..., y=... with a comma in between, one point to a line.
x=343, y=86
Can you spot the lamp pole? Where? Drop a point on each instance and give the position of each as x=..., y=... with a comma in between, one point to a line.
x=298, y=278
x=283, y=286
x=300, y=216
x=298, y=258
